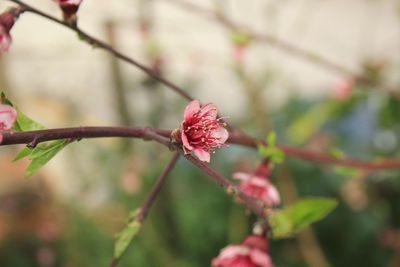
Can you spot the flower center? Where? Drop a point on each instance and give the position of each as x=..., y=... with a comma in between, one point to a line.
x=202, y=130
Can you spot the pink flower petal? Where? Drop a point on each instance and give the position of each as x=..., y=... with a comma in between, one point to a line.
x=241, y=176
x=209, y=111
x=186, y=145
x=261, y=258
x=190, y=109
x=8, y=115
x=221, y=134
x=202, y=154
x=274, y=194
x=5, y=40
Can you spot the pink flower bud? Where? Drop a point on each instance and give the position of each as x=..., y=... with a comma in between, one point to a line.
x=8, y=115
x=238, y=52
x=342, y=89
x=69, y=9
x=201, y=131
x=253, y=252
x=258, y=187
x=7, y=20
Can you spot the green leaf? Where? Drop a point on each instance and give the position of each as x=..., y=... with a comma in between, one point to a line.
x=240, y=38
x=306, y=211
x=43, y=153
x=348, y=171
x=26, y=151
x=23, y=122
x=271, y=139
x=125, y=237
x=336, y=153
x=270, y=151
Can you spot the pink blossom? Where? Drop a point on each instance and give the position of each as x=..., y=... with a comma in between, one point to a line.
x=8, y=115
x=7, y=20
x=253, y=252
x=342, y=89
x=201, y=131
x=69, y=8
x=5, y=40
x=239, y=52
x=258, y=187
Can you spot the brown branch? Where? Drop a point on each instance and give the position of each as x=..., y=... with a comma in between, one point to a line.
x=241, y=139
x=286, y=46
x=162, y=136
x=151, y=197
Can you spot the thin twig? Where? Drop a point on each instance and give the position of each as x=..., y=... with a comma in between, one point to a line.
x=286, y=46
x=96, y=42
x=152, y=196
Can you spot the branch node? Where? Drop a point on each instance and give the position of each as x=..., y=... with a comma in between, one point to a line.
x=34, y=143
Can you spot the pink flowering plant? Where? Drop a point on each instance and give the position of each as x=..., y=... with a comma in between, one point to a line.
x=203, y=131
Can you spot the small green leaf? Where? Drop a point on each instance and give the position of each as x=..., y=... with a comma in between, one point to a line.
x=306, y=211
x=23, y=122
x=240, y=38
x=82, y=37
x=26, y=151
x=43, y=153
x=347, y=171
x=336, y=153
x=125, y=237
x=271, y=139
x=270, y=151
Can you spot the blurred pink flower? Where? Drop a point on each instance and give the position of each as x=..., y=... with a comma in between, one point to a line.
x=342, y=89
x=201, y=131
x=7, y=20
x=8, y=115
x=253, y=252
x=258, y=187
x=238, y=52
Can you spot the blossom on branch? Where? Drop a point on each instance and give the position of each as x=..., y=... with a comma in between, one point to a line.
x=201, y=131
x=7, y=20
x=252, y=252
x=258, y=187
x=342, y=89
x=69, y=9
x=8, y=115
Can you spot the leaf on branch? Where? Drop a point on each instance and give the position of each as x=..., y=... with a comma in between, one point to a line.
x=26, y=151
x=23, y=122
x=271, y=152
x=125, y=237
x=240, y=38
x=293, y=219
x=43, y=152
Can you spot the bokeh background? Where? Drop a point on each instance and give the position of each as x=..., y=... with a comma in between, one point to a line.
x=67, y=214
